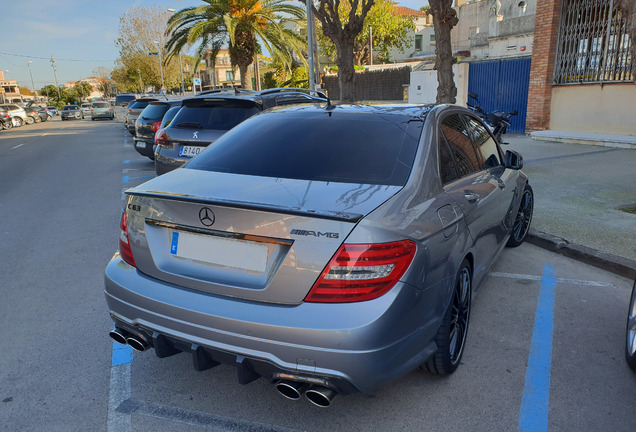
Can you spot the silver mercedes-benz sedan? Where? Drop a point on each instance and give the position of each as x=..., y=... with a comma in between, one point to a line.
x=328, y=249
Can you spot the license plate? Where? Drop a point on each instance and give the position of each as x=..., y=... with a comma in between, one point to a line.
x=190, y=151
x=220, y=251
x=141, y=144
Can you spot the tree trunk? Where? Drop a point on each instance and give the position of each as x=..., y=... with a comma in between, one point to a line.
x=246, y=81
x=444, y=19
x=346, y=71
x=628, y=8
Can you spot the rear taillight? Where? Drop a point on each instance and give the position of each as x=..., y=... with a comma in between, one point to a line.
x=155, y=126
x=161, y=138
x=124, y=242
x=360, y=272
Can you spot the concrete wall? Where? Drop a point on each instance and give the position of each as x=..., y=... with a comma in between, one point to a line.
x=423, y=87
x=596, y=109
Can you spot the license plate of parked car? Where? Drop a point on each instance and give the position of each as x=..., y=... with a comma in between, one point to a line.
x=219, y=251
x=190, y=151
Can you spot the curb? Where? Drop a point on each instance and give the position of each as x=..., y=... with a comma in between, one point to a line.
x=613, y=263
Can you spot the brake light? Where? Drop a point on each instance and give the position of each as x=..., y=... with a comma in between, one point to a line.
x=161, y=138
x=360, y=272
x=155, y=126
x=124, y=242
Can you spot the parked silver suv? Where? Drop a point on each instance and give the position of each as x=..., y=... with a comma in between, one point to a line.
x=17, y=113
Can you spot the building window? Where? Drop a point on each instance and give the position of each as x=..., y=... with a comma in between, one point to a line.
x=229, y=76
x=418, y=42
x=432, y=40
x=593, y=44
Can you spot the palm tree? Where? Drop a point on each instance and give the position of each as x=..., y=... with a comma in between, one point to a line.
x=239, y=24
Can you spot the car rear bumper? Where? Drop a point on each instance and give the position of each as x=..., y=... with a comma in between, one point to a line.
x=348, y=347
x=144, y=147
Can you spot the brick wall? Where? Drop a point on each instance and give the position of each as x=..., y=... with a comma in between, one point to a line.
x=543, y=51
x=373, y=85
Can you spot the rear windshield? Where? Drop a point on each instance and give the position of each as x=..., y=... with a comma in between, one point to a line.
x=139, y=105
x=221, y=115
x=338, y=146
x=101, y=105
x=155, y=111
x=123, y=99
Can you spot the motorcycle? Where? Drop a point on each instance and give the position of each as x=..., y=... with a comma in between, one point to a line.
x=497, y=121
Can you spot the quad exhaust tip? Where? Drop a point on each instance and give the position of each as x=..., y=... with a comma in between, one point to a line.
x=138, y=343
x=320, y=396
x=118, y=335
x=291, y=390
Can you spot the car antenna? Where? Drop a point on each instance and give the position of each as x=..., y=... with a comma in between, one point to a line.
x=329, y=106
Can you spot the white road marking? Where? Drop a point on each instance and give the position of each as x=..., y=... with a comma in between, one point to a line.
x=19, y=145
x=119, y=392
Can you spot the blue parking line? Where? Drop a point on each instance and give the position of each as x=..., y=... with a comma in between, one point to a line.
x=122, y=354
x=126, y=179
x=535, y=402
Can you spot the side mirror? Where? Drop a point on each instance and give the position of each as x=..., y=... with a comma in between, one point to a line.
x=513, y=160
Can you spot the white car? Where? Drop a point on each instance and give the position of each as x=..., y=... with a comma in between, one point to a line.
x=86, y=109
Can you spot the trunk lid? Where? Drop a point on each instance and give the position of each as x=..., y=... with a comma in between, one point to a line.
x=248, y=237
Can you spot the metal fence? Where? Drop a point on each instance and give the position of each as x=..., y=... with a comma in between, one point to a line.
x=593, y=44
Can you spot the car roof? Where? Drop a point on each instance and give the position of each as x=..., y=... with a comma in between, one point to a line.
x=413, y=111
x=256, y=96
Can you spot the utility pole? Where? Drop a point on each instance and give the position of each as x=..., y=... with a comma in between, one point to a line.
x=141, y=85
x=32, y=85
x=163, y=85
x=310, y=44
x=59, y=95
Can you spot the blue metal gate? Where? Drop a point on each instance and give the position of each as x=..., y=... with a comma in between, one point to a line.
x=502, y=85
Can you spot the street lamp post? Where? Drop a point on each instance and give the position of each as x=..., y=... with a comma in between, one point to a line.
x=32, y=84
x=141, y=85
x=163, y=85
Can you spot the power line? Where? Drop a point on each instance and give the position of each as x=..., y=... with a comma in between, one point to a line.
x=59, y=59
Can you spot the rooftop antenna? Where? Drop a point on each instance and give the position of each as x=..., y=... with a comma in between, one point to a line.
x=330, y=106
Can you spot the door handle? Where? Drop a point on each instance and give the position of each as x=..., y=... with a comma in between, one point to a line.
x=501, y=183
x=471, y=197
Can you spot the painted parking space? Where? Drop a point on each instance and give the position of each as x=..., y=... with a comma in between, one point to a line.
x=530, y=316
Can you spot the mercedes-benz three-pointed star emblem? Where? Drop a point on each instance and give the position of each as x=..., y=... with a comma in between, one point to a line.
x=195, y=134
x=206, y=216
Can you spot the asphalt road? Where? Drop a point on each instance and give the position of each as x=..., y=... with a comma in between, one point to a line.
x=60, y=199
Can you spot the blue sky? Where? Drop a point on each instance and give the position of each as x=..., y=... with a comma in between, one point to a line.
x=80, y=34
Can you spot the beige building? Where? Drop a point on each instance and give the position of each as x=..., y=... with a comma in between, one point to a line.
x=219, y=73
x=9, y=90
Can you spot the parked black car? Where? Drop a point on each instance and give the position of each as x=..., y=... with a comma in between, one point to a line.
x=210, y=114
x=6, y=122
x=134, y=109
x=149, y=122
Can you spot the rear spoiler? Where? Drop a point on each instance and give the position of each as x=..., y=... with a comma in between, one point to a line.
x=296, y=211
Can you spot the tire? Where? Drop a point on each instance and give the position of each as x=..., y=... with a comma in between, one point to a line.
x=451, y=336
x=523, y=218
x=29, y=120
x=18, y=121
x=8, y=125
x=630, y=343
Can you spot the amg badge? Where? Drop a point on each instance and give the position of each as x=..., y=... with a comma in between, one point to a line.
x=331, y=235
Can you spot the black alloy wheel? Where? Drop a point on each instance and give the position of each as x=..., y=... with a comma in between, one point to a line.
x=630, y=343
x=524, y=218
x=451, y=336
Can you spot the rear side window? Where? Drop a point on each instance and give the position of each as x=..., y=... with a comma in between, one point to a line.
x=138, y=105
x=169, y=115
x=460, y=145
x=323, y=146
x=155, y=111
x=218, y=116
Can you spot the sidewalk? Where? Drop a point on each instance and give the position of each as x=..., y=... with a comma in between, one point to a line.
x=579, y=190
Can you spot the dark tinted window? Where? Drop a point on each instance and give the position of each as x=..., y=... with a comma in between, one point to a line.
x=169, y=115
x=447, y=170
x=323, y=146
x=123, y=99
x=155, y=111
x=71, y=107
x=484, y=142
x=138, y=105
x=101, y=105
x=222, y=115
x=460, y=145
